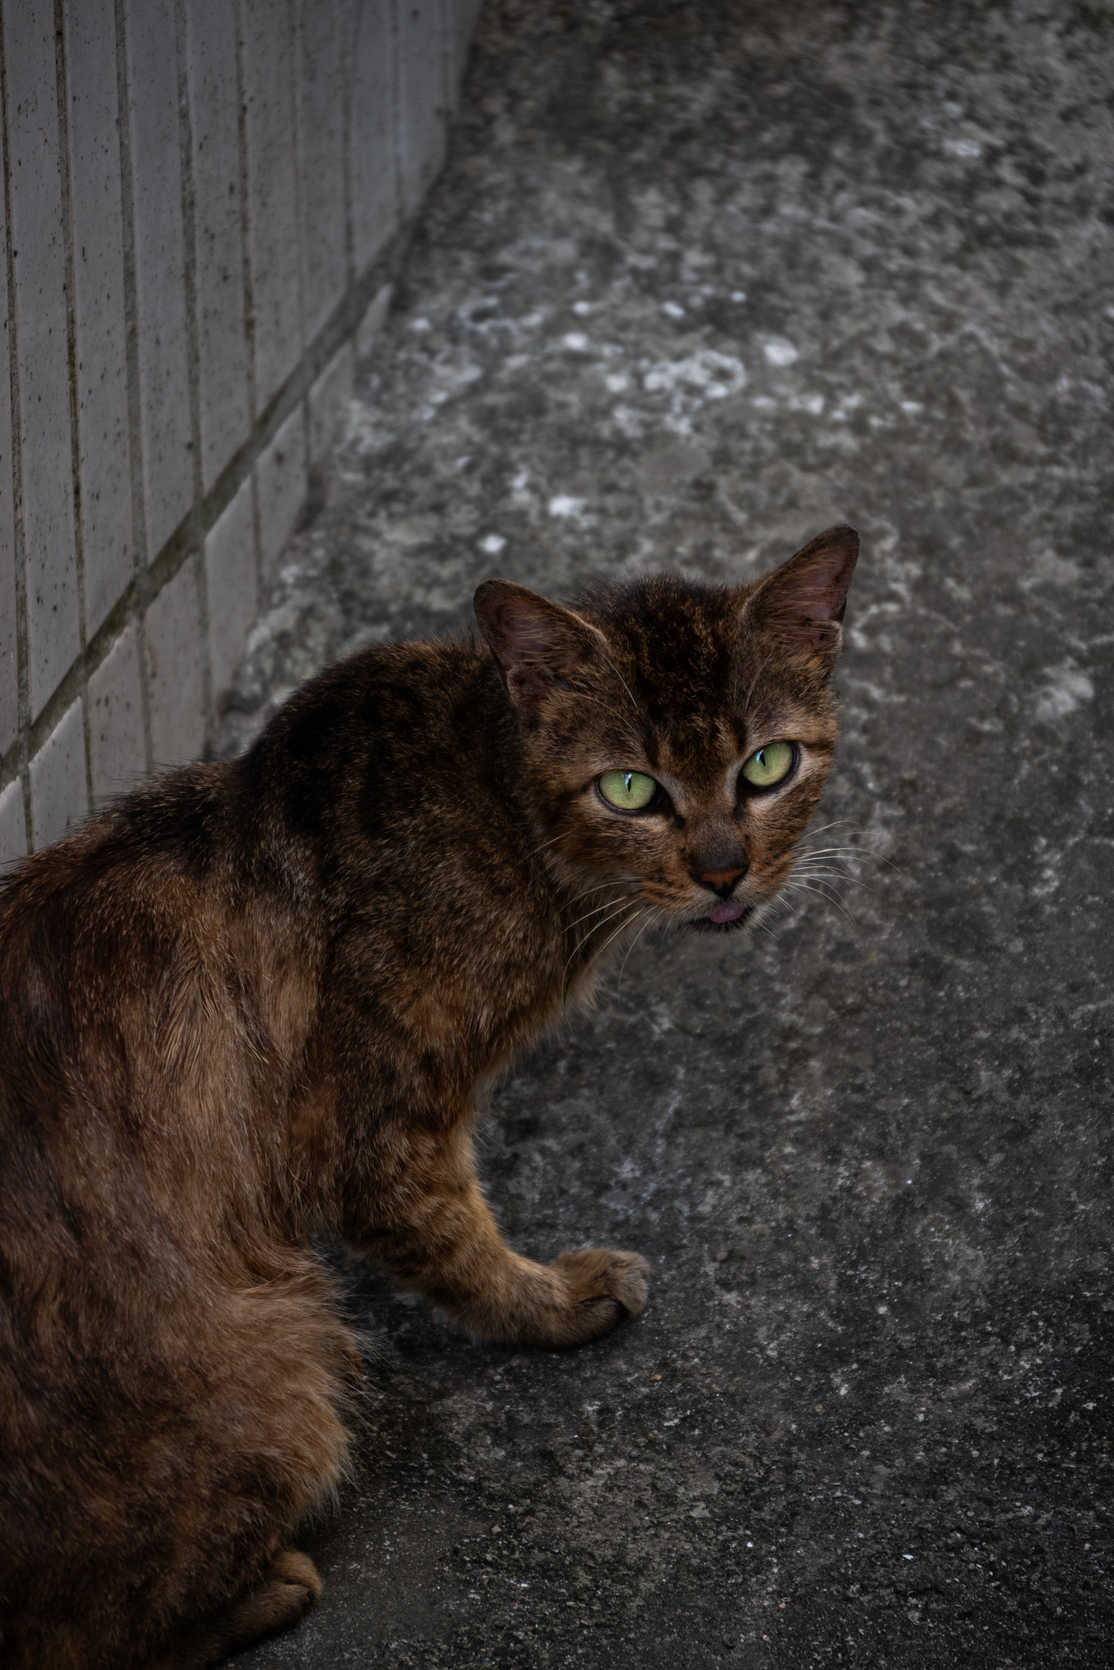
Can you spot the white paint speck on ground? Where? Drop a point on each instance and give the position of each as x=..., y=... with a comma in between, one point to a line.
x=617, y=382
x=1066, y=689
x=707, y=372
x=628, y=421
x=492, y=544
x=420, y=326
x=575, y=341
x=779, y=351
x=738, y=295
x=1048, y=567
x=691, y=382
x=563, y=505
x=673, y=310
x=582, y=308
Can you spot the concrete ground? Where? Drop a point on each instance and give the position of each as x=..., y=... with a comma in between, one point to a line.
x=698, y=281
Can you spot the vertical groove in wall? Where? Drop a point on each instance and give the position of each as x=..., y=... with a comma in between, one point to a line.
x=245, y=209
x=297, y=57
x=348, y=63
x=193, y=344
x=448, y=66
x=71, y=356
x=131, y=339
x=396, y=109
x=249, y=291
x=23, y=676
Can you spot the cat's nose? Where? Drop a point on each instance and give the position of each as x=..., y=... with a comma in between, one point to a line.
x=722, y=876
x=720, y=881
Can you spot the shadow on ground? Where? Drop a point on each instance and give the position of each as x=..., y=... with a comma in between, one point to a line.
x=698, y=281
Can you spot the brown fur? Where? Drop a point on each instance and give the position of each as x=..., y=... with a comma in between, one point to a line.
x=255, y=999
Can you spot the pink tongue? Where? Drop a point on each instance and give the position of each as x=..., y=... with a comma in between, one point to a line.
x=729, y=911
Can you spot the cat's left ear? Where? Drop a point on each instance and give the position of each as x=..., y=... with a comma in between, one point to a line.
x=538, y=645
x=801, y=603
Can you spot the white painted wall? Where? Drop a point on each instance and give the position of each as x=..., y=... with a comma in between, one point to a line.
x=202, y=203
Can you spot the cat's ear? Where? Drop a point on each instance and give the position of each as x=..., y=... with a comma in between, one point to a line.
x=538, y=645
x=801, y=603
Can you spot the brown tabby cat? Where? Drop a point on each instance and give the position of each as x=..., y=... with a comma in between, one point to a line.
x=255, y=999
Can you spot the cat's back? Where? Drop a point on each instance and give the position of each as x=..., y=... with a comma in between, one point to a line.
x=130, y=957
x=412, y=736
x=389, y=786
x=99, y=925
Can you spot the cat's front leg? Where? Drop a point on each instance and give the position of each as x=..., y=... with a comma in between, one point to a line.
x=426, y=1220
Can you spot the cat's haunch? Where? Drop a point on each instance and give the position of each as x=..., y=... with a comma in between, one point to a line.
x=252, y=1002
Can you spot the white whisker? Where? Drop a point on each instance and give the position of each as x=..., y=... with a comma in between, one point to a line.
x=836, y=823
x=808, y=873
x=545, y=844
x=650, y=912
x=595, y=912
x=613, y=935
x=760, y=921
x=858, y=852
x=597, y=701
x=823, y=864
x=622, y=906
x=762, y=665
x=821, y=887
x=821, y=852
x=588, y=891
x=822, y=892
x=611, y=663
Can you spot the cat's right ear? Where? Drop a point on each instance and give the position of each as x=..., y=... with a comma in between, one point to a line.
x=800, y=605
x=538, y=645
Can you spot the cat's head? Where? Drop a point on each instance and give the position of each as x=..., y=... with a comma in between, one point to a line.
x=677, y=736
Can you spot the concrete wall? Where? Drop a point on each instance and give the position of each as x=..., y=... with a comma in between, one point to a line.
x=203, y=203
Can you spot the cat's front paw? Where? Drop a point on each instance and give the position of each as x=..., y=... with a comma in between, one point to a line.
x=603, y=1287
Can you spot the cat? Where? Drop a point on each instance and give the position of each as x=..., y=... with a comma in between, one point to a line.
x=254, y=1000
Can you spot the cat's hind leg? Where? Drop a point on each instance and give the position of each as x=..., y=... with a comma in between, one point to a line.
x=241, y=1436
x=284, y=1594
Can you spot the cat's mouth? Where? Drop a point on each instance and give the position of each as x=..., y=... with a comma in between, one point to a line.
x=725, y=916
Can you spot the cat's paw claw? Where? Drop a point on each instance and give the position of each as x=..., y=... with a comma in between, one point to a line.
x=604, y=1287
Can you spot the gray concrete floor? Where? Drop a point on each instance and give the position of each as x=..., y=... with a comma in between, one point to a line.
x=698, y=281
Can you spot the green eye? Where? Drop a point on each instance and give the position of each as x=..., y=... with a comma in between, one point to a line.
x=627, y=791
x=769, y=765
